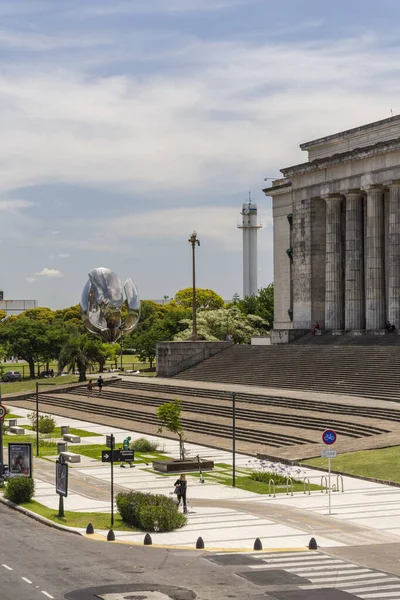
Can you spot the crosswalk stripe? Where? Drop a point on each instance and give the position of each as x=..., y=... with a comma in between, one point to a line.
x=319, y=564
x=347, y=577
x=326, y=569
x=393, y=595
x=394, y=587
x=370, y=582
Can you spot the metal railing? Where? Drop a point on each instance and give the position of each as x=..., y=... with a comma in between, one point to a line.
x=271, y=481
x=306, y=481
x=323, y=478
x=339, y=479
x=289, y=482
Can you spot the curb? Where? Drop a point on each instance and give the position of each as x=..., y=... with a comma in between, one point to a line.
x=361, y=477
x=39, y=518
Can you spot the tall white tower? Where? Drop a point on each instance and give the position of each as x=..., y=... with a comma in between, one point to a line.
x=249, y=226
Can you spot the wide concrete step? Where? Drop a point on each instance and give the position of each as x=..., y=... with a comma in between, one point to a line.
x=362, y=371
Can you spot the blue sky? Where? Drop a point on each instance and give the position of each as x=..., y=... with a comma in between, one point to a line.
x=127, y=124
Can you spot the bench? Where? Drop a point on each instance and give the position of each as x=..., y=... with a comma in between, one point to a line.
x=70, y=457
x=16, y=429
x=73, y=439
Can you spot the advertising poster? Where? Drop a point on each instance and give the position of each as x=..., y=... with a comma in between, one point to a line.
x=62, y=478
x=20, y=459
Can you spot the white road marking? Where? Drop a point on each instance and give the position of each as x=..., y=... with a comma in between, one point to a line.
x=7, y=567
x=27, y=580
x=393, y=595
x=48, y=595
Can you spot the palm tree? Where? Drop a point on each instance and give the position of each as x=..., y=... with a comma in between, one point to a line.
x=79, y=351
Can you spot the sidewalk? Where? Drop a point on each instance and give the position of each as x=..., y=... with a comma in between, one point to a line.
x=226, y=517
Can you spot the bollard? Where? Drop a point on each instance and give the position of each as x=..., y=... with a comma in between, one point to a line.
x=147, y=540
x=312, y=544
x=199, y=544
x=111, y=536
x=257, y=544
x=89, y=529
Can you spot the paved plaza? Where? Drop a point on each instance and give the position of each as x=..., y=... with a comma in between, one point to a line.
x=225, y=517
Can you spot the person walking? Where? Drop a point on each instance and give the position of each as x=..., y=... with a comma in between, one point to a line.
x=181, y=488
x=100, y=383
x=90, y=388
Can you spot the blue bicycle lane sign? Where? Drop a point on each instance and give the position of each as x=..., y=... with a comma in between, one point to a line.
x=329, y=437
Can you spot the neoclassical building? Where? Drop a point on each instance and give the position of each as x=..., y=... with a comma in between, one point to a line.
x=337, y=234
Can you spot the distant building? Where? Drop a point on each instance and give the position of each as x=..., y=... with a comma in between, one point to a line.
x=15, y=307
x=337, y=234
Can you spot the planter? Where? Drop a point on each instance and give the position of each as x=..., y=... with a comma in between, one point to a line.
x=182, y=466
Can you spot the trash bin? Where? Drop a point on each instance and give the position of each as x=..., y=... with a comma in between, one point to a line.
x=64, y=429
x=61, y=447
x=12, y=422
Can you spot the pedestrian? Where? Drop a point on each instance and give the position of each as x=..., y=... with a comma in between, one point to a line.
x=90, y=388
x=180, y=490
x=100, y=383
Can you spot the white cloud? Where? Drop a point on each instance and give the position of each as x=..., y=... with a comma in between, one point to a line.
x=30, y=279
x=49, y=273
x=63, y=255
x=14, y=206
x=241, y=116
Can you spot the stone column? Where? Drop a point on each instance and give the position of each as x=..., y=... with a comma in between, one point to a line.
x=375, y=251
x=394, y=254
x=354, y=277
x=333, y=266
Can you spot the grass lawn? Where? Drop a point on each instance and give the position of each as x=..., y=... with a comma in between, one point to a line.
x=11, y=416
x=381, y=464
x=244, y=482
x=94, y=451
x=81, y=519
x=57, y=432
x=29, y=385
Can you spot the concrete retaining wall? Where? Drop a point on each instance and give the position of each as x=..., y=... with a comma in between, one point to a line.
x=174, y=357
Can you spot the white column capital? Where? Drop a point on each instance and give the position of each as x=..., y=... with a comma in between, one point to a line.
x=395, y=183
x=355, y=194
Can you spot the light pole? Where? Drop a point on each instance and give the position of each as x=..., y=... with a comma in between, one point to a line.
x=194, y=241
x=37, y=412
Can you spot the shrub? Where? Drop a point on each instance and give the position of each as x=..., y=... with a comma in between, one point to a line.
x=20, y=489
x=149, y=512
x=265, y=476
x=46, y=423
x=144, y=445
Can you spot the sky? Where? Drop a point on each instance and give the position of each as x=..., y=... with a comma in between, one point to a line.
x=126, y=125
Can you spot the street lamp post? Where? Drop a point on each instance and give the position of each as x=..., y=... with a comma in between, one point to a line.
x=37, y=412
x=194, y=241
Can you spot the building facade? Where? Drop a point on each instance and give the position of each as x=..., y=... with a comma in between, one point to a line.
x=337, y=234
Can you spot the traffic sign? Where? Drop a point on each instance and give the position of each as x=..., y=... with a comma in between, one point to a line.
x=3, y=411
x=107, y=454
x=328, y=453
x=329, y=437
x=110, y=441
x=127, y=455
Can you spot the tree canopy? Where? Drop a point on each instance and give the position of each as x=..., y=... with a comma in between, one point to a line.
x=205, y=299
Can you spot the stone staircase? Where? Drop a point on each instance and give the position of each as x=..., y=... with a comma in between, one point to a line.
x=363, y=368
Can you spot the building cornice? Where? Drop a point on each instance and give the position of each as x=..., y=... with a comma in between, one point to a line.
x=348, y=132
x=337, y=159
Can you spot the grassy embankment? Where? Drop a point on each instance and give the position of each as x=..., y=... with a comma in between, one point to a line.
x=383, y=463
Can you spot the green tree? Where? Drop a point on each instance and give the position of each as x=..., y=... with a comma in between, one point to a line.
x=261, y=305
x=214, y=325
x=205, y=299
x=25, y=338
x=170, y=416
x=80, y=351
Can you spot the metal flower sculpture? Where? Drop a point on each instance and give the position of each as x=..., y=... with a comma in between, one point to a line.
x=102, y=301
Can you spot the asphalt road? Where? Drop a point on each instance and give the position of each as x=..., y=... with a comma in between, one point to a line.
x=38, y=562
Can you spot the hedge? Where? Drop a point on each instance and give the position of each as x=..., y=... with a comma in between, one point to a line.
x=149, y=512
x=20, y=489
